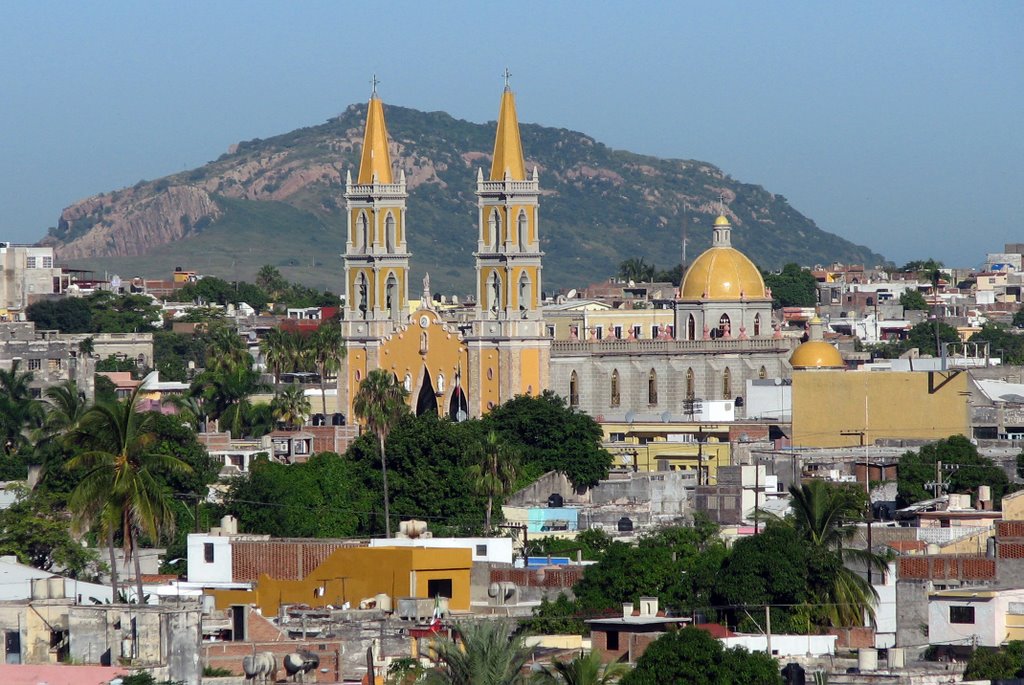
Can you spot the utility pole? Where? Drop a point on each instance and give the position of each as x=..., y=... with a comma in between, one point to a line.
x=768, y=629
x=938, y=479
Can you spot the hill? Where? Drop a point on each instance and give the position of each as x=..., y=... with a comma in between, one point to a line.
x=280, y=201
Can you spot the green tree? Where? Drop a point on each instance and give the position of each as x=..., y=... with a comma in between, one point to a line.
x=291, y=406
x=487, y=653
x=270, y=280
x=792, y=287
x=380, y=402
x=637, y=270
x=493, y=471
x=963, y=470
x=562, y=616
x=987, y=663
x=20, y=413
x=35, y=529
x=120, y=493
x=913, y=299
x=583, y=670
x=1002, y=341
x=691, y=655
x=591, y=544
x=327, y=496
x=1018, y=318
x=823, y=516
x=327, y=349
x=553, y=437
x=225, y=393
x=225, y=350
x=275, y=348
x=122, y=313
x=67, y=315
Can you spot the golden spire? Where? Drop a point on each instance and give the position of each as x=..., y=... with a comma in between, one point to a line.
x=376, y=161
x=508, y=150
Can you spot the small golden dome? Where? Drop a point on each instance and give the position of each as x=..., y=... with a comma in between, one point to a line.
x=721, y=220
x=816, y=354
x=722, y=273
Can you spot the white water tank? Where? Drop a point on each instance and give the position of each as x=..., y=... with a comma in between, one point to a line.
x=867, y=659
x=897, y=658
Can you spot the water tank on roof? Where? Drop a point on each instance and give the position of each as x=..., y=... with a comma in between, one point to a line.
x=555, y=500
x=625, y=525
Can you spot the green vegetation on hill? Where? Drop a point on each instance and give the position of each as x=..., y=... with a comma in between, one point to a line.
x=600, y=205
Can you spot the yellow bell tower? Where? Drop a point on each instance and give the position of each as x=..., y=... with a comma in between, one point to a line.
x=376, y=256
x=509, y=349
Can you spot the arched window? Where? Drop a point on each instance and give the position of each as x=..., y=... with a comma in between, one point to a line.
x=690, y=385
x=363, y=294
x=757, y=324
x=652, y=388
x=494, y=294
x=724, y=326
x=762, y=373
x=391, y=296
x=727, y=385
x=522, y=236
x=574, y=390
x=525, y=298
x=389, y=232
x=616, y=399
x=495, y=225
x=362, y=233
x=691, y=328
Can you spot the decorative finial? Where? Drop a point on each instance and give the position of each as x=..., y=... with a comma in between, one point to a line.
x=507, y=75
x=721, y=204
x=373, y=85
x=426, y=290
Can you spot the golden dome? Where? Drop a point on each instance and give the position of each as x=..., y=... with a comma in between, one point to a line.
x=722, y=273
x=721, y=220
x=816, y=354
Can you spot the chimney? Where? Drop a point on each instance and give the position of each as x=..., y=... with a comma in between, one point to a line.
x=648, y=606
x=627, y=609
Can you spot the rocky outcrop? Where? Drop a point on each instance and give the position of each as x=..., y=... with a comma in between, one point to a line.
x=133, y=221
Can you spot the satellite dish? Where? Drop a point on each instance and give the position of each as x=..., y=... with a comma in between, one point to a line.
x=666, y=417
x=571, y=294
x=630, y=415
x=778, y=381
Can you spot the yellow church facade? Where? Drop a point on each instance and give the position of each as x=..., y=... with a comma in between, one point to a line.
x=452, y=372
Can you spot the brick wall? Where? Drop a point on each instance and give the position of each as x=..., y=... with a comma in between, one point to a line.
x=631, y=645
x=548, y=578
x=947, y=567
x=853, y=638
x=1010, y=529
x=282, y=559
x=229, y=655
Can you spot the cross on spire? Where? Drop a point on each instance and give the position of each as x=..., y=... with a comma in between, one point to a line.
x=507, y=75
x=373, y=85
x=721, y=203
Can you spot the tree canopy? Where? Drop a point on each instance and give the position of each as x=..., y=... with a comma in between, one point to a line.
x=692, y=655
x=551, y=436
x=963, y=470
x=794, y=286
x=913, y=299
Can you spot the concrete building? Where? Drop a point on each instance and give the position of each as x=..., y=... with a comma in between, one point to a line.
x=483, y=550
x=18, y=582
x=976, y=617
x=625, y=638
x=50, y=357
x=163, y=640
x=27, y=274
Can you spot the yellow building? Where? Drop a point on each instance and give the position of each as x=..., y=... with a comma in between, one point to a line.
x=506, y=351
x=851, y=408
x=659, y=446
x=356, y=573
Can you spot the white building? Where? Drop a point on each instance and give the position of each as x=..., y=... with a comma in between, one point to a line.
x=485, y=550
x=27, y=274
x=976, y=616
x=17, y=579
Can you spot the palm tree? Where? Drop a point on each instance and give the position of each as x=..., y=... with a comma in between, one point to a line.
x=488, y=653
x=583, y=670
x=66, y=407
x=120, y=492
x=225, y=350
x=328, y=349
x=291, y=406
x=226, y=392
x=380, y=402
x=821, y=513
x=494, y=471
x=20, y=413
x=274, y=347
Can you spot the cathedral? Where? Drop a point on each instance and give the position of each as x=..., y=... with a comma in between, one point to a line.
x=459, y=373
x=722, y=335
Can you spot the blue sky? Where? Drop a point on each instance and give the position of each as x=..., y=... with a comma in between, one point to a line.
x=899, y=125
